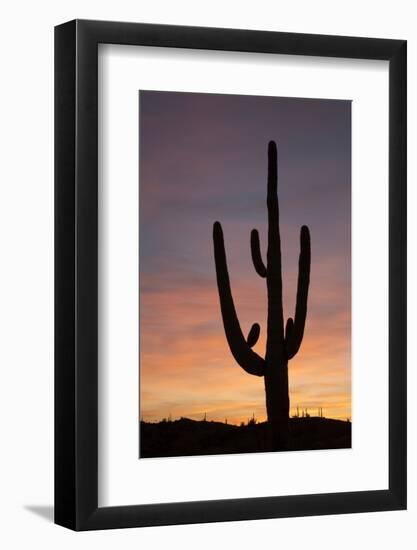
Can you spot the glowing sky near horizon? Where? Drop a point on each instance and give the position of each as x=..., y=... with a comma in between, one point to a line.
x=203, y=157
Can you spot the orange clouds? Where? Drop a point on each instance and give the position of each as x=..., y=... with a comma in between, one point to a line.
x=186, y=366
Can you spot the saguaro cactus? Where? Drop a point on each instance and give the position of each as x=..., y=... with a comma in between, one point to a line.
x=281, y=345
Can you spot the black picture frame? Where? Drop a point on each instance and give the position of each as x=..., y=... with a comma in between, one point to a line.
x=76, y=272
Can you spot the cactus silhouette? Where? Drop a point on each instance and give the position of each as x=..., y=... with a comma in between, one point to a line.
x=281, y=345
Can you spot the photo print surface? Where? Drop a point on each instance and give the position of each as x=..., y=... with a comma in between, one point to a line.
x=244, y=274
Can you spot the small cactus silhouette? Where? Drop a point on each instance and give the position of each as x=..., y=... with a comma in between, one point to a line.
x=281, y=345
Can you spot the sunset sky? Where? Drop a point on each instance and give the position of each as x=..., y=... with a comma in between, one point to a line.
x=203, y=157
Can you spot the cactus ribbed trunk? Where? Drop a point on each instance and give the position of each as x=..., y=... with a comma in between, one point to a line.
x=276, y=364
x=277, y=402
x=280, y=346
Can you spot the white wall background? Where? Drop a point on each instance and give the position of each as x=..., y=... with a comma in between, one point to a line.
x=26, y=274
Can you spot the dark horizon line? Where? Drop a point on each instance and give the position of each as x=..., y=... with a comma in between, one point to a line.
x=170, y=419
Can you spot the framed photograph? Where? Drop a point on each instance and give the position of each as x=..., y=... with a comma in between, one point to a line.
x=230, y=285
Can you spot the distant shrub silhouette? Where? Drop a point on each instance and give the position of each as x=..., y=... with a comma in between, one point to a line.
x=280, y=345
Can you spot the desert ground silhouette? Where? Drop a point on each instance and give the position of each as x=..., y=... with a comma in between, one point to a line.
x=186, y=437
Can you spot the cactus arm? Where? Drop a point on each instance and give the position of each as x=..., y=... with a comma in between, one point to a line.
x=253, y=335
x=295, y=330
x=250, y=361
x=288, y=329
x=256, y=254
